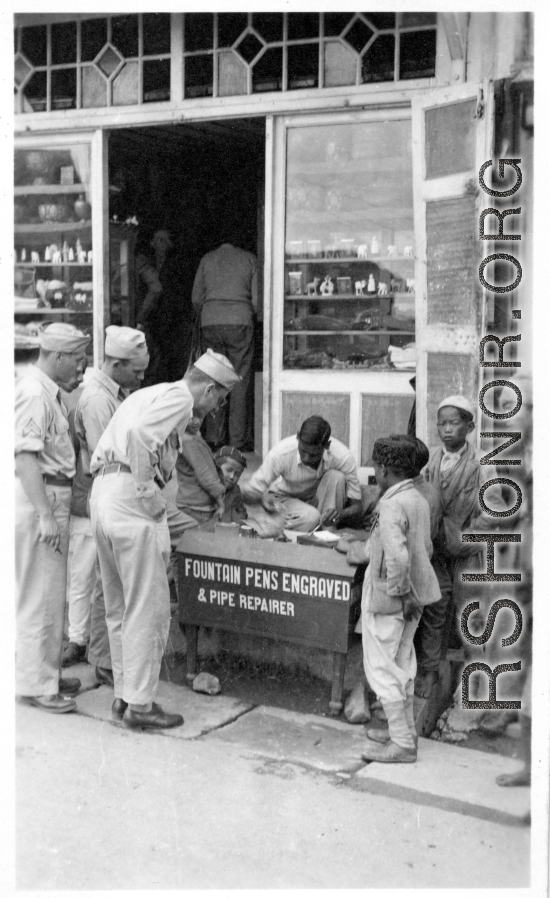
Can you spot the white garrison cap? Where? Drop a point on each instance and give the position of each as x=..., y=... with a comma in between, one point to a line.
x=124, y=342
x=218, y=368
x=458, y=402
x=61, y=337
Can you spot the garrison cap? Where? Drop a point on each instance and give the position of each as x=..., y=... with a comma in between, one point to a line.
x=124, y=342
x=219, y=368
x=61, y=337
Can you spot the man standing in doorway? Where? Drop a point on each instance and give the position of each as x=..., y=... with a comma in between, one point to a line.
x=44, y=468
x=122, y=372
x=132, y=463
x=225, y=295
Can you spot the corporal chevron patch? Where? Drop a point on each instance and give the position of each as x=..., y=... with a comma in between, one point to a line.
x=32, y=429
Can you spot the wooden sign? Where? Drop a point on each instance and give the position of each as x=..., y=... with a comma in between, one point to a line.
x=277, y=590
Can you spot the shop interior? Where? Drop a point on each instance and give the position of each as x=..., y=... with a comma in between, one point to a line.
x=191, y=179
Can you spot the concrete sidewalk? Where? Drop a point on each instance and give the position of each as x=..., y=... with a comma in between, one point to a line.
x=446, y=776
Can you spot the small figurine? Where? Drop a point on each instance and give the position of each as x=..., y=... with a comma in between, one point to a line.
x=375, y=246
x=47, y=255
x=371, y=286
x=392, y=251
x=410, y=285
x=89, y=255
x=362, y=251
x=360, y=286
x=407, y=252
x=35, y=257
x=311, y=289
x=71, y=254
x=382, y=289
x=327, y=287
x=24, y=254
x=56, y=258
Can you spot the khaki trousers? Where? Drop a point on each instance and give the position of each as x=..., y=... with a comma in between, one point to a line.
x=41, y=578
x=134, y=554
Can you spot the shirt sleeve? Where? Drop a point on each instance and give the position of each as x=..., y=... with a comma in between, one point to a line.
x=31, y=423
x=94, y=415
x=348, y=467
x=170, y=411
x=396, y=552
x=266, y=474
x=198, y=294
x=205, y=470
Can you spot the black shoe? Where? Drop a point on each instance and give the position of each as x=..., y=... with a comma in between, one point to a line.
x=73, y=654
x=105, y=676
x=56, y=704
x=118, y=708
x=69, y=686
x=156, y=719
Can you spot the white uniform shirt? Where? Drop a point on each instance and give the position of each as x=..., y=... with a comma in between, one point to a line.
x=283, y=472
x=145, y=434
x=42, y=424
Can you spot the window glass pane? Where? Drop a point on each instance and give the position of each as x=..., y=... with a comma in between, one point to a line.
x=269, y=25
x=35, y=92
x=349, y=247
x=93, y=36
x=359, y=35
x=417, y=54
x=34, y=44
x=63, y=89
x=379, y=60
x=53, y=242
x=335, y=22
x=199, y=75
x=199, y=31
x=412, y=19
x=303, y=66
x=302, y=25
x=156, y=80
x=230, y=26
x=63, y=43
x=267, y=73
x=381, y=19
x=249, y=47
x=124, y=34
x=156, y=33
x=444, y=156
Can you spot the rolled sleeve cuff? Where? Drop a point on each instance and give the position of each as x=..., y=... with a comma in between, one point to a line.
x=28, y=444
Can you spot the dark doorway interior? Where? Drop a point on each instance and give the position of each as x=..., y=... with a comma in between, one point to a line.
x=190, y=178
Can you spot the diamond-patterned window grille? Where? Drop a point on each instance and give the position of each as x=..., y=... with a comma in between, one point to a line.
x=249, y=47
x=109, y=61
x=358, y=35
x=129, y=54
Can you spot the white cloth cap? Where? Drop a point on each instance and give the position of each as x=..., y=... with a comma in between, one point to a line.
x=219, y=368
x=124, y=342
x=61, y=337
x=458, y=402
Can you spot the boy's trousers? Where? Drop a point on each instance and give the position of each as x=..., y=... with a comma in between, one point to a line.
x=389, y=656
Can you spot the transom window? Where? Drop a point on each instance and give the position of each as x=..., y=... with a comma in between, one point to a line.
x=101, y=61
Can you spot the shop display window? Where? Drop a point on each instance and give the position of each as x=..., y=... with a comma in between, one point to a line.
x=53, y=252
x=349, y=292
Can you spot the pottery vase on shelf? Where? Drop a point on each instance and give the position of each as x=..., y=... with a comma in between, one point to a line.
x=82, y=208
x=53, y=212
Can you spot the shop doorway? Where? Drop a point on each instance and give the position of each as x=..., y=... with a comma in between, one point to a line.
x=191, y=179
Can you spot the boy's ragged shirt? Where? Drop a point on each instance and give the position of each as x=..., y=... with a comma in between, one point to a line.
x=199, y=483
x=399, y=550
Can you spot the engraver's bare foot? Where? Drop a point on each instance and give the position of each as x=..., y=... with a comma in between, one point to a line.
x=424, y=683
x=521, y=778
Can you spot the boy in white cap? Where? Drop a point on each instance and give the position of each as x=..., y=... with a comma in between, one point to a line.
x=133, y=461
x=44, y=468
x=122, y=372
x=457, y=476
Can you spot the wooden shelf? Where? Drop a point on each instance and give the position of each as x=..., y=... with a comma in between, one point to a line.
x=53, y=265
x=43, y=311
x=363, y=333
x=53, y=227
x=34, y=189
x=300, y=297
x=289, y=260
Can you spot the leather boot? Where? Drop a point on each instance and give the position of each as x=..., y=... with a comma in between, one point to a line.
x=118, y=708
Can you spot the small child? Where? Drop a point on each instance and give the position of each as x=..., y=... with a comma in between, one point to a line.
x=399, y=582
x=231, y=464
x=455, y=473
x=200, y=492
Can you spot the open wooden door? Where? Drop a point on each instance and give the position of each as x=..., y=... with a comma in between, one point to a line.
x=452, y=138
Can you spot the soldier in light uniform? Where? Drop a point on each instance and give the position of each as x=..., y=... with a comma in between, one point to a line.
x=44, y=468
x=133, y=461
x=126, y=360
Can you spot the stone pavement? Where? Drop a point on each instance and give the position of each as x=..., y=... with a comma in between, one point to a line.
x=445, y=776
